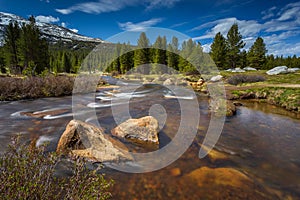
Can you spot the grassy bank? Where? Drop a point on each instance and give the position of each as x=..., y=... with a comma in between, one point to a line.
x=282, y=90
x=288, y=98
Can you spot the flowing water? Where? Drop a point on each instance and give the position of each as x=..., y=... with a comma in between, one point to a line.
x=262, y=141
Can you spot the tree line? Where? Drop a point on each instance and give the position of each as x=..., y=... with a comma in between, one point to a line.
x=228, y=53
x=187, y=57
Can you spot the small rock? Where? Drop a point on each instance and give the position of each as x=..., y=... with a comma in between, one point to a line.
x=175, y=172
x=230, y=109
x=142, y=130
x=237, y=103
x=293, y=70
x=249, y=69
x=168, y=82
x=216, y=78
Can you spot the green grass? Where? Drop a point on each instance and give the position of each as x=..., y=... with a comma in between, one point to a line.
x=291, y=78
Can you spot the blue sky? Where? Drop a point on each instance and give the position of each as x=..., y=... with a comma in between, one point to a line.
x=277, y=21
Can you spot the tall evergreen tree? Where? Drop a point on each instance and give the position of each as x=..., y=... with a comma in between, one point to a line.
x=11, y=36
x=33, y=50
x=66, y=63
x=2, y=61
x=243, y=62
x=234, y=45
x=257, y=54
x=185, y=53
x=159, y=54
x=116, y=63
x=173, y=53
x=141, y=55
x=218, y=51
x=126, y=58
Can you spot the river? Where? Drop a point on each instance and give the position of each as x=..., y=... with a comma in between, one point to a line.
x=261, y=141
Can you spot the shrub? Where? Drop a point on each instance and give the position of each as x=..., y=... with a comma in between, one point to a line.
x=240, y=78
x=14, y=88
x=27, y=173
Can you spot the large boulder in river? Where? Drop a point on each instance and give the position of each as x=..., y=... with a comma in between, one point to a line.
x=142, y=130
x=86, y=140
x=278, y=70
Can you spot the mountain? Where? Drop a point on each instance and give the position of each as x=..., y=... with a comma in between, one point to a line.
x=51, y=32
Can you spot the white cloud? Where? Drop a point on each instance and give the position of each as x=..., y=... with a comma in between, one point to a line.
x=267, y=14
x=287, y=19
x=246, y=27
x=46, y=19
x=63, y=24
x=161, y=3
x=105, y=6
x=141, y=26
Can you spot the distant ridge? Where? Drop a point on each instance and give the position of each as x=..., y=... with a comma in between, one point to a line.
x=51, y=32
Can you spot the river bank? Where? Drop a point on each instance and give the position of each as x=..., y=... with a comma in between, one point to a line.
x=34, y=87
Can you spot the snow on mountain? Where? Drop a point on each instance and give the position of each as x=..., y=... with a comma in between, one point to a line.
x=51, y=32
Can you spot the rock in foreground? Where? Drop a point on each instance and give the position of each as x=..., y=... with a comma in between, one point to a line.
x=86, y=140
x=142, y=130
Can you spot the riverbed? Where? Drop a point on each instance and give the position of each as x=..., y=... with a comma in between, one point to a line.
x=261, y=141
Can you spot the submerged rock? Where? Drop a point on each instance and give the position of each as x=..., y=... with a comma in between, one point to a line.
x=86, y=140
x=142, y=130
x=214, y=155
x=223, y=183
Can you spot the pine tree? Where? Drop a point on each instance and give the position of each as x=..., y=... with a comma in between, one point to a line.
x=126, y=58
x=115, y=65
x=243, y=62
x=141, y=55
x=2, y=61
x=218, y=51
x=257, y=54
x=186, y=52
x=66, y=63
x=234, y=44
x=173, y=53
x=33, y=51
x=270, y=62
x=159, y=54
x=11, y=36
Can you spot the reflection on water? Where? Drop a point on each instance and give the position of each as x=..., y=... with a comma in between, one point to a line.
x=262, y=141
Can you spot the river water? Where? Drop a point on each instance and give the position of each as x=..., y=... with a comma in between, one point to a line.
x=261, y=141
